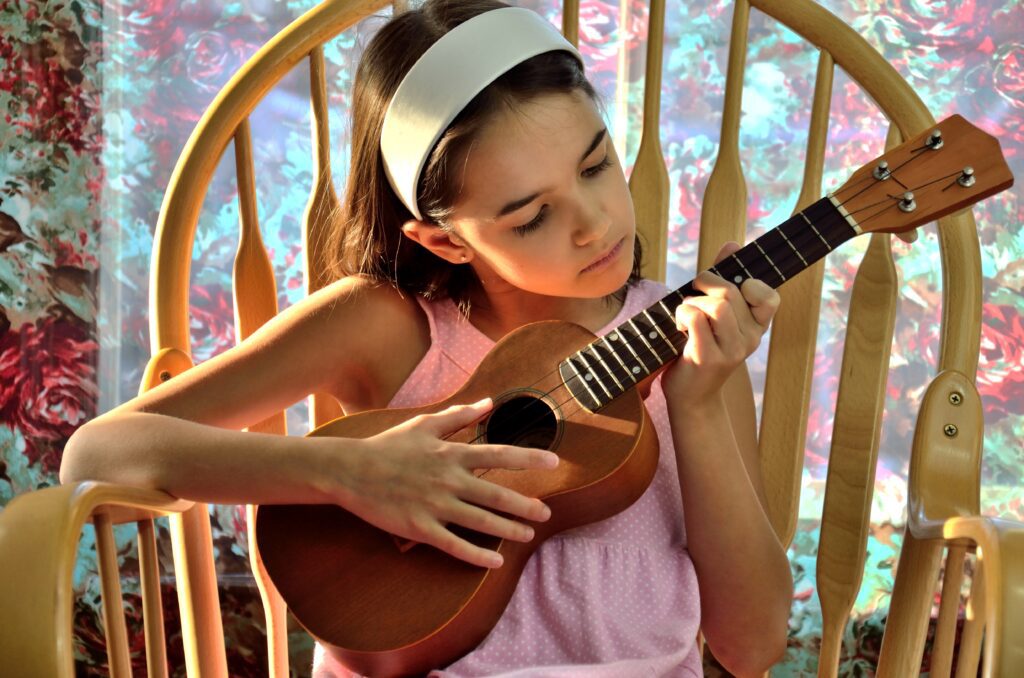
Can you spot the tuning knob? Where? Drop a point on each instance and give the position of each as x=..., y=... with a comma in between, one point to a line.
x=966, y=177
x=882, y=171
x=935, y=140
x=907, y=204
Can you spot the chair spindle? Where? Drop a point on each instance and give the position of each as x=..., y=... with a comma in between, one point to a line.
x=571, y=21
x=791, y=348
x=974, y=625
x=322, y=207
x=115, y=630
x=854, y=452
x=648, y=184
x=152, y=608
x=255, y=301
x=949, y=608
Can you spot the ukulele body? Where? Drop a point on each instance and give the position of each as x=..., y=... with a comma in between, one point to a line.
x=384, y=606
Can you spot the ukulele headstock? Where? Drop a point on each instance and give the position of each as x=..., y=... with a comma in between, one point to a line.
x=949, y=166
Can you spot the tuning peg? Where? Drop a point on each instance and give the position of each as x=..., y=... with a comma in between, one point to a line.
x=935, y=140
x=907, y=204
x=966, y=177
x=882, y=171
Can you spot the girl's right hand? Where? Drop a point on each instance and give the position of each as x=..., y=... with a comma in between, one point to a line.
x=411, y=483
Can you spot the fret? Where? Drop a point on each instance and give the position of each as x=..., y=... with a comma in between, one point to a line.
x=799, y=248
x=795, y=250
x=629, y=345
x=683, y=292
x=758, y=246
x=668, y=313
x=640, y=334
x=788, y=254
x=805, y=241
x=583, y=381
x=749, y=274
x=654, y=323
x=818, y=233
x=857, y=230
x=613, y=352
x=591, y=373
x=829, y=219
x=593, y=349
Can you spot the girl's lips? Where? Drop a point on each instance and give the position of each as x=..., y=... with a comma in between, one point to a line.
x=606, y=259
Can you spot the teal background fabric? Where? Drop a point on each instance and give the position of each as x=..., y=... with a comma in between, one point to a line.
x=97, y=99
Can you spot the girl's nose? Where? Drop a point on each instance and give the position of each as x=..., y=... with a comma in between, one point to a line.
x=594, y=222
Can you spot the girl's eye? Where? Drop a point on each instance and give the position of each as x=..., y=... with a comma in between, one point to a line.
x=598, y=168
x=539, y=219
x=534, y=224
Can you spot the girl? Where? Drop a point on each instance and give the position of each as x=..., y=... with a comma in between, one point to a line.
x=484, y=194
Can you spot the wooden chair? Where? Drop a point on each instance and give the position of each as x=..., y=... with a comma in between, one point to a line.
x=39, y=531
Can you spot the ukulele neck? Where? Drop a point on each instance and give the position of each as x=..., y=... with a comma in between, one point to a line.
x=638, y=348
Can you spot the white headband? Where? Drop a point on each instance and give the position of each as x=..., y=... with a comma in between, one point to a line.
x=446, y=78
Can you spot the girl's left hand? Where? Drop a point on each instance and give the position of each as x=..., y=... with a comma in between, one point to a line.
x=724, y=327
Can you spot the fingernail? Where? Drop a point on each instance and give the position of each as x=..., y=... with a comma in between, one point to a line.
x=495, y=560
x=486, y=402
x=551, y=459
x=545, y=512
x=528, y=533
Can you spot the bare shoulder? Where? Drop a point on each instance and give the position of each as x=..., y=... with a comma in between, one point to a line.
x=352, y=340
x=378, y=335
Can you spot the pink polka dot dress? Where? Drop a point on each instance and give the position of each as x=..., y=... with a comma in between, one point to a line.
x=613, y=599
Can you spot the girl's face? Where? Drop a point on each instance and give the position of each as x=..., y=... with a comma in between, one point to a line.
x=544, y=205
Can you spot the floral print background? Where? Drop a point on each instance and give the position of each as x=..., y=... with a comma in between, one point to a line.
x=97, y=99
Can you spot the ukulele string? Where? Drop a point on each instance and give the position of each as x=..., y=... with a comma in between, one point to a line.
x=637, y=343
x=872, y=180
x=664, y=358
x=888, y=201
x=888, y=204
x=663, y=354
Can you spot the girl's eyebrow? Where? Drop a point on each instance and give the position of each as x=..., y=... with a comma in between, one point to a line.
x=516, y=204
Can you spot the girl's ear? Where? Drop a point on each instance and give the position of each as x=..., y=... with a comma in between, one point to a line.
x=445, y=244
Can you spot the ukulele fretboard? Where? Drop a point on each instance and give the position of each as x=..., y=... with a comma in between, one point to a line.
x=643, y=344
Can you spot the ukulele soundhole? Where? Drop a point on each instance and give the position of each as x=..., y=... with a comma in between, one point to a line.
x=524, y=418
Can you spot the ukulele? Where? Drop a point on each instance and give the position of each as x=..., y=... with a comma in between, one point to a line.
x=385, y=606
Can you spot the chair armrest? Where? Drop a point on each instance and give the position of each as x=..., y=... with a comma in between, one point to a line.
x=1000, y=546
x=39, y=534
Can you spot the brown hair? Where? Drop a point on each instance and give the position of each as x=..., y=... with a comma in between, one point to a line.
x=366, y=237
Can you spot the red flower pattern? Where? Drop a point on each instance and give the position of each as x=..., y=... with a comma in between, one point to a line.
x=47, y=384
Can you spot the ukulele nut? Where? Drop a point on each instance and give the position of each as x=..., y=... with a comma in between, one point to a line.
x=950, y=430
x=935, y=140
x=907, y=204
x=882, y=171
x=966, y=178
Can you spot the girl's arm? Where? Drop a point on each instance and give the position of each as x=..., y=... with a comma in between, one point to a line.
x=743, y=573
x=182, y=437
x=742, y=570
